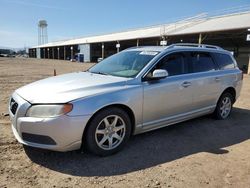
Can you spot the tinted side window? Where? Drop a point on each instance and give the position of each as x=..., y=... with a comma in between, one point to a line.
x=175, y=64
x=202, y=62
x=224, y=61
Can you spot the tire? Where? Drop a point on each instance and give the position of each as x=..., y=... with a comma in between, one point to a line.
x=222, y=111
x=108, y=131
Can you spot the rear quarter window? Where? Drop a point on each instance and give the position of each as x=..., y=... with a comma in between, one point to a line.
x=224, y=61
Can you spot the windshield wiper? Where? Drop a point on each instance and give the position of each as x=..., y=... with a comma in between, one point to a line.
x=102, y=73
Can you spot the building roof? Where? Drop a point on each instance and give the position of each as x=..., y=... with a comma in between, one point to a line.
x=198, y=24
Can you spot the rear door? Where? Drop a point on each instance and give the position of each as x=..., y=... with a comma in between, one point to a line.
x=206, y=79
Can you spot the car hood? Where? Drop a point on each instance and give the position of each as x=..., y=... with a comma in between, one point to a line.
x=68, y=87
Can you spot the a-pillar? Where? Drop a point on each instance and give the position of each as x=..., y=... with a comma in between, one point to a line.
x=137, y=42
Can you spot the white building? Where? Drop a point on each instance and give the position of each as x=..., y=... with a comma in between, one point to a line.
x=228, y=31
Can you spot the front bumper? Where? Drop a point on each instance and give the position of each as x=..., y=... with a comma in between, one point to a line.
x=62, y=133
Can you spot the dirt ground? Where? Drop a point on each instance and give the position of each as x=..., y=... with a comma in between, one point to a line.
x=199, y=153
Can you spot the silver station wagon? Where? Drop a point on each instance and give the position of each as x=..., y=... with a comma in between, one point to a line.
x=134, y=91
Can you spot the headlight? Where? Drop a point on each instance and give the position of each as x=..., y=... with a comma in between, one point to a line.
x=43, y=111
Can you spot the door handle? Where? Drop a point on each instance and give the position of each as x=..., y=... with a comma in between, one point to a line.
x=186, y=84
x=217, y=79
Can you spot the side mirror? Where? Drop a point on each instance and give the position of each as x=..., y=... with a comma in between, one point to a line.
x=159, y=74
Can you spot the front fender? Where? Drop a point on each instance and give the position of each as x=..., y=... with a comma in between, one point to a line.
x=130, y=96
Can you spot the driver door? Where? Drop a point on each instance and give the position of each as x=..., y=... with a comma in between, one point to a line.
x=167, y=99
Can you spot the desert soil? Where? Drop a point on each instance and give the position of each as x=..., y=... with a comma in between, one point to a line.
x=198, y=153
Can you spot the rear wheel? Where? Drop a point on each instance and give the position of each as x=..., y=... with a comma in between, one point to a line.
x=108, y=131
x=224, y=106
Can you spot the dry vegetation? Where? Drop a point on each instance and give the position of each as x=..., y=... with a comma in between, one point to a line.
x=198, y=153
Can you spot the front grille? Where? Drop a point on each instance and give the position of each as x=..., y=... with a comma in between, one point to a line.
x=13, y=106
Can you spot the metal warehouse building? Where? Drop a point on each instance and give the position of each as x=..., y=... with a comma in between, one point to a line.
x=228, y=31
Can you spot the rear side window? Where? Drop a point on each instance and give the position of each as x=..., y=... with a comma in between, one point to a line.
x=224, y=61
x=202, y=62
x=175, y=64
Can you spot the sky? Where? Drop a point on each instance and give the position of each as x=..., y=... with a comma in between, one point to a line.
x=78, y=18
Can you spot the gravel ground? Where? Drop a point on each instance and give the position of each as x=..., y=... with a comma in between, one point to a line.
x=198, y=153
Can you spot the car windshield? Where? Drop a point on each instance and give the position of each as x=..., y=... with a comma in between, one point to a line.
x=124, y=64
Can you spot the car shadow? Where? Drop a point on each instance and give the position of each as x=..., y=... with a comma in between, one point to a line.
x=153, y=148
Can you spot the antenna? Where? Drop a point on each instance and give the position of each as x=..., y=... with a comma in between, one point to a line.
x=42, y=32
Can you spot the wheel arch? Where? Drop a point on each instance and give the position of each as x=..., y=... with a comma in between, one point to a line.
x=127, y=109
x=230, y=90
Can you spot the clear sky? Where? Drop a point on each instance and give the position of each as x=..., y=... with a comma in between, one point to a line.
x=74, y=18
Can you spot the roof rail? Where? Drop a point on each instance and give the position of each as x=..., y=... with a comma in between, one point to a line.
x=194, y=45
x=134, y=47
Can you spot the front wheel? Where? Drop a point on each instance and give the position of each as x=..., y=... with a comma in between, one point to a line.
x=108, y=131
x=224, y=106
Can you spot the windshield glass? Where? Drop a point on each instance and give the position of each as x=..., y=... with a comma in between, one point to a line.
x=124, y=64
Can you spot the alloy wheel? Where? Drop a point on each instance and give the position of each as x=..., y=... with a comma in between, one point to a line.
x=110, y=132
x=225, y=108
